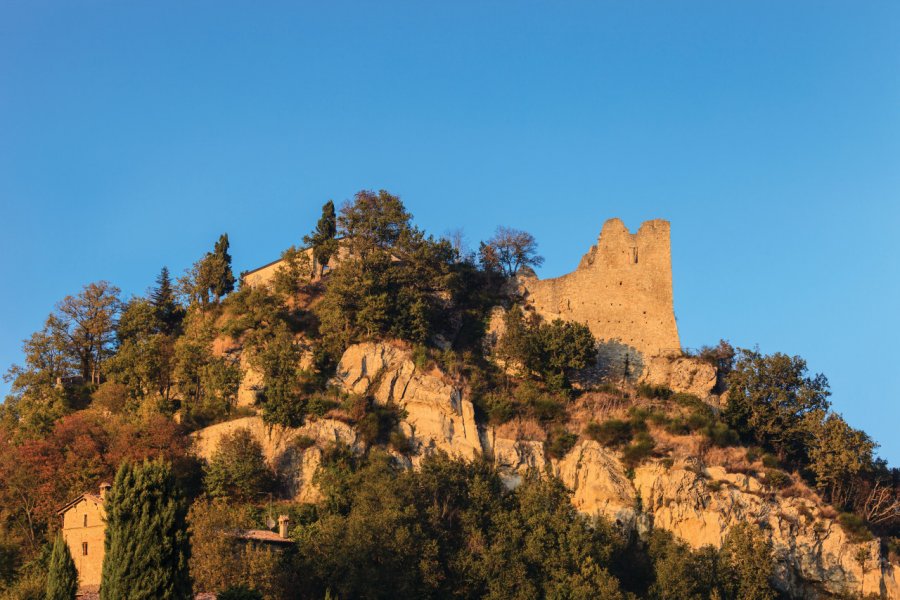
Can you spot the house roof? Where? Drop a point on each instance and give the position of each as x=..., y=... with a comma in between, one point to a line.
x=260, y=535
x=85, y=496
x=339, y=239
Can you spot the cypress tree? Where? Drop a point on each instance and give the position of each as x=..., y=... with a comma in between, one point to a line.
x=62, y=580
x=224, y=279
x=322, y=238
x=147, y=548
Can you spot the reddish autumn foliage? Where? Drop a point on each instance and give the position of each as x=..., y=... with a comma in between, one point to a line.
x=38, y=477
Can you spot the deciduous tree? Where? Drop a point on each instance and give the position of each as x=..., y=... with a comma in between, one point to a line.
x=238, y=468
x=747, y=564
x=509, y=251
x=837, y=455
x=769, y=400
x=88, y=321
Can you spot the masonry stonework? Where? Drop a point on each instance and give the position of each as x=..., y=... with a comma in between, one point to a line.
x=84, y=529
x=622, y=290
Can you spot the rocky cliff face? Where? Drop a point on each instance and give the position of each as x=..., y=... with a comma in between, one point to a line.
x=698, y=503
x=437, y=415
x=295, y=453
x=681, y=374
x=701, y=504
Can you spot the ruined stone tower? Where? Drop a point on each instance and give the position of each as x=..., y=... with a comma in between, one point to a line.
x=622, y=289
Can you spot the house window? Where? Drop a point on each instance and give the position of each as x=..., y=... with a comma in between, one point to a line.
x=85, y=520
x=84, y=548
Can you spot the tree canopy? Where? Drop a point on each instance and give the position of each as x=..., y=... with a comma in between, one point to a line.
x=509, y=251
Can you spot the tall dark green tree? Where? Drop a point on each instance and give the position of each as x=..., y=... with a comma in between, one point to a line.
x=62, y=579
x=223, y=279
x=162, y=298
x=322, y=239
x=147, y=547
x=211, y=275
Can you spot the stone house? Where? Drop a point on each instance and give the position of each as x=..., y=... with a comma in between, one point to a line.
x=84, y=529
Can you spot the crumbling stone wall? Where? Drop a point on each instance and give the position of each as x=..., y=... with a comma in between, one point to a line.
x=622, y=289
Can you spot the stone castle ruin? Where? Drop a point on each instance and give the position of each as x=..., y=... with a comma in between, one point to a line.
x=622, y=290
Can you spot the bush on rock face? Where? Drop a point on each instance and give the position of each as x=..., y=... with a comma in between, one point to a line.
x=550, y=350
x=238, y=468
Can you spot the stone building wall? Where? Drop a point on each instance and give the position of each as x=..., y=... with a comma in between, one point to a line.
x=89, y=510
x=622, y=290
x=265, y=274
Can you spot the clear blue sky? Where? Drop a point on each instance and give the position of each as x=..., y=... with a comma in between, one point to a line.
x=768, y=133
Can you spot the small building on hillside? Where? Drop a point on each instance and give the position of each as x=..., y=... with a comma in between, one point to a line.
x=264, y=537
x=84, y=529
x=264, y=275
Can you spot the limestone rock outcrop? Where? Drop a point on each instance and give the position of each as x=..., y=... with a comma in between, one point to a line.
x=294, y=453
x=681, y=374
x=251, y=383
x=698, y=503
x=599, y=483
x=438, y=417
x=700, y=506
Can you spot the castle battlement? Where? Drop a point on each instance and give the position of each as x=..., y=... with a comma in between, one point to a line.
x=622, y=289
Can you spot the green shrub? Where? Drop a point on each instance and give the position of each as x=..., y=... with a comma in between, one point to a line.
x=678, y=426
x=546, y=408
x=777, y=478
x=611, y=433
x=661, y=392
x=721, y=435
x=687, y=400
x=637, y=413
x=659, y=418
x=499, y=408
x=770, y=461
x=319, y=405
x=302, y=442
x=534, y=401
x=399, y=442
x=856, y=527
x=699, y=420
x=560, y=442
x=420, y=356
x=378, y=422
x=640, y=449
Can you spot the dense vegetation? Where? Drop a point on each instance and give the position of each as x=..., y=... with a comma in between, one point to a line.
x=114, y=387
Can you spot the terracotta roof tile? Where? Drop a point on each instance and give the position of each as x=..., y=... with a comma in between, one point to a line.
x=261, y=535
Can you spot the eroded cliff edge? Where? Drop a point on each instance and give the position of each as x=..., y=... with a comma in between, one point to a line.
x=696, y=497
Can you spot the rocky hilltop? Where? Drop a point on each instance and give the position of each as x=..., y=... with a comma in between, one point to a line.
x=434, y=423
